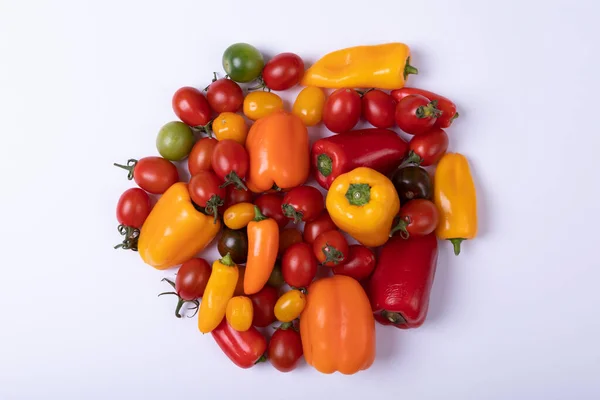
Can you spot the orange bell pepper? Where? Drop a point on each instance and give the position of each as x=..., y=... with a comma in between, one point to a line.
x=263, y=244
x=337, y=326
x=279, y=152
x=175, y=231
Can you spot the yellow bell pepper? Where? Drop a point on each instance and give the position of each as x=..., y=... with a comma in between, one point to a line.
x=363, y=202
x=175, y=231
x=456, y=200
x=219, y=290
x=384, y=66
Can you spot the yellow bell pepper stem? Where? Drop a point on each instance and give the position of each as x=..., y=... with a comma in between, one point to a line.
x=456, y=200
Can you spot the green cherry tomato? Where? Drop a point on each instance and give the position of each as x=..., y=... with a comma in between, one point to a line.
x=243, y=62
x=175, y=140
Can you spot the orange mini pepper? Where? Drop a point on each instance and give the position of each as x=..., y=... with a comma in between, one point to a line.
x=279, y=152
x=263, y=244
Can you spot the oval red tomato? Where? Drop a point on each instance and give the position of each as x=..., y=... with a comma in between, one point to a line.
x=263, y=303
x=303, y=203
x=200, y=158
x=283, y=71
x=323, y=223
x=379, y=109
x=224, y=95
x=418, y=217
x=133, y=208
x=270, y=206
x=285, y=348
x=230, y=163
x=153, y=174
x=331, y=248
x=205, y=191
x=429, y=146
x=299, y=265
x=191, y=106
x=360, y=263
x=192, y=278
x=342, y=110
x=416, y=114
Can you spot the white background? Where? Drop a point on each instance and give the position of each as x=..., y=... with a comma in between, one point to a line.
x=86, y=83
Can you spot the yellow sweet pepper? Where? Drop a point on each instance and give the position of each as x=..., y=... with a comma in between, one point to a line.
x=456, y=200
x=175, y=231
x=384, y=66
x=363, y=202
x=219, y=290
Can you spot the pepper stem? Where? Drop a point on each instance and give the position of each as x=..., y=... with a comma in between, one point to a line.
x=409, y=69
x=233, y=177
x=212, y=206
x=324, y=164
x=258, y=216
x=358, y=194
x=394, y=317
x=262, y=358
x=332, y=254
x=428, y=111
x=290, y=212
x=401, y=226
x=456, y=115
x=131, y=163
x=227, y=260
x=456, y=243
x=286, y=325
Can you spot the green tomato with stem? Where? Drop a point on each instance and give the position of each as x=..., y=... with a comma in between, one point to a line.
x=175, y=141
x=243, y=62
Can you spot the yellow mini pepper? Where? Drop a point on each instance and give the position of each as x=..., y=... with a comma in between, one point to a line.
x=456, y=200
x=175, y=231
x=219, y=290
x=363, y=202
x=383, y=66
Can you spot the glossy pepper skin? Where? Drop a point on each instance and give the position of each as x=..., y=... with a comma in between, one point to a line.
x=263, y=245
x=363, y=203
x=379, y=149
x=219, y=290
x=401, y=283
x=337, y=326
x=445, y=105
x=245, y=348
x=279, y=152
x=383, y=66
x=175, y=231
x=456, y=199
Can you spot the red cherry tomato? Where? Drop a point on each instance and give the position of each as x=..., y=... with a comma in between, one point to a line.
x=205, y=191
x=133, y=208
x=331, y=248
x=230, y=163
x=360, y=263
x=224, y=95
x=418, y=217
x=153, y=174
x=235, y=196
x=302, y=203
x=314, y=228
x=342, y=110
x=285, y=348
x=191, y=106
x=299, y=265
x=379, y=109
x=416, y=114
x=200, y=158
x=283, y=71
x=270, y=206
x=190, y=282
x=263, y=303
x=429, y=146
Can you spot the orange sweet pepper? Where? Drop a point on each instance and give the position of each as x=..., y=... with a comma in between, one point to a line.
x=279, y=152
x=263, y=244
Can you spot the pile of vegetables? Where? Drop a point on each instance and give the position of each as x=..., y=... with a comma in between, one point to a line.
x=323, y=237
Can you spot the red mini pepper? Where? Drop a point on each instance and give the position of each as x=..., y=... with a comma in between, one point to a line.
x=400, y=286
x=379, y=149
x=443, y=104
x=243, y=348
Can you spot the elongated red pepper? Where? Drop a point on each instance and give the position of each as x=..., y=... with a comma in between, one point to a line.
x=379, y=149
x=445, y=105
x=243, y=348
x=400, y=286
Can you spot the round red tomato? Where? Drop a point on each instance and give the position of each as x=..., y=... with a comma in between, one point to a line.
x=192, y=278
x=230, y=163
x=299, y=265
x=379, y=109
x=283, y=71
x=224, y=95
x=133, y=208
x=314, y=228
x=235, y=196
x=303, y=203
x=191, y=106
x=205, y=191
x=285, y=348
x=263, y=303
x=418, y=217
x=270, y=206
x=342, y=110
x=429, y=146
x=200, y=157
x=415, y=114
x=331, y=248
x=360, y=263
x=153, y=174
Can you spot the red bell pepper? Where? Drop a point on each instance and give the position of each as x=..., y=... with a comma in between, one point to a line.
x=443, y=104
x=401, y=283
x=243, y=348
x=379, y=149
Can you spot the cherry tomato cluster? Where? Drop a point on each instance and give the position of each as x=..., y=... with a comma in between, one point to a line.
x=211, y=134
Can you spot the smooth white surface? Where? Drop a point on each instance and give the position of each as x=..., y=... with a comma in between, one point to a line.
x=84, y=84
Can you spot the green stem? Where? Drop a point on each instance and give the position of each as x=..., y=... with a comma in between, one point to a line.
x=227, y=260
x=456, y=243
x=394, y=317
x=332, y=255
x=456, y=115
x=324, y=164
x=262, y=358
x=212, y=206
x=131, y=163
x=358, y=194
x=178, y=308
x=412, y=159
x=233, y=178
x=401, y=226
x=409, y=69
x=258, y=216
x=290, y=212
x=428, y=111
x=286, y=325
